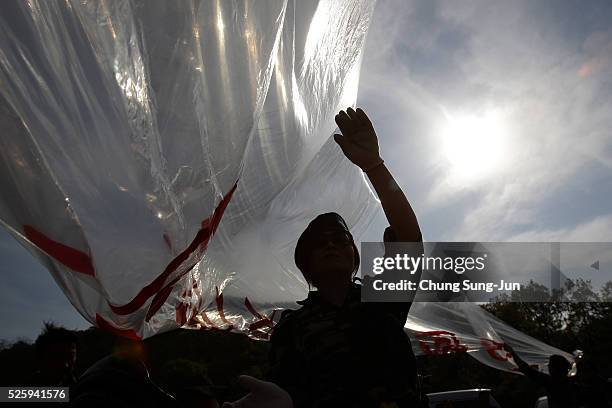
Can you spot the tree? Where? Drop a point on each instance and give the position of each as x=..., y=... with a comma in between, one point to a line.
x=574, y=317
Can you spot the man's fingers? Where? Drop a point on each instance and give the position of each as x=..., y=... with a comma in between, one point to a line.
x=351, y=120
x=341, y=140
x=343, y=117
x=352, y=114
x=344, y=144
x=344, y=122
x=364, y=118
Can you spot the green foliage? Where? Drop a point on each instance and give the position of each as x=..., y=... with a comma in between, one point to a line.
x=572, y=318
x=18, y=363
x=180, y=357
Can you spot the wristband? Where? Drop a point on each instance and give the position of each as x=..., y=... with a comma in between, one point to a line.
x=380, y=163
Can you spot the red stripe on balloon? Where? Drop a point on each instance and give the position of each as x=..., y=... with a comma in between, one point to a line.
x=181, y=314
x=158, y=301
x=200, y=243
x=207, y=320
x=104, y=325
x=251, y=309
x=161, y=297
x=157, y=285
x=271, y=317
x=263, y=320
x=70, y=257
x=219, y=301
x=259, y=324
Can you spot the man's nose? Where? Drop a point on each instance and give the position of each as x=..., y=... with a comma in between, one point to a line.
x=330, y=242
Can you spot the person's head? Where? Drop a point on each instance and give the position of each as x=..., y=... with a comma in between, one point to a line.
x=558, y=366
x=586, y=367
x=326, y=251
x=56, y=349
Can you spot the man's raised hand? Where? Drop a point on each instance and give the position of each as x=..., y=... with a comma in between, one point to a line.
x=358, y=140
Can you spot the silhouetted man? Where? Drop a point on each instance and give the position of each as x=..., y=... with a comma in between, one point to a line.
x=336, y=351
x=593, y=389
x=560, y=389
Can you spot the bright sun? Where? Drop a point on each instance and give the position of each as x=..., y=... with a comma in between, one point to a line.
x=474, y=145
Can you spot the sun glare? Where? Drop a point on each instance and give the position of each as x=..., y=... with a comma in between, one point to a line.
x=474, y=145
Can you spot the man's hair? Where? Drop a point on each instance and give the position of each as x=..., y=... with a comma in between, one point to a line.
x=52, y=334
x=305, y=244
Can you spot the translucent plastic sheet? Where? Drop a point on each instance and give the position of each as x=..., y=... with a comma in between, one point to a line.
x=448, y=328
x=135, y=127
x=160, y=158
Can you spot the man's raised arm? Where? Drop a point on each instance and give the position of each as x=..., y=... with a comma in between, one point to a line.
x=359, y=144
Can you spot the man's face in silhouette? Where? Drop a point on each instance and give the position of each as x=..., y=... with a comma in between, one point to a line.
x=332, y=257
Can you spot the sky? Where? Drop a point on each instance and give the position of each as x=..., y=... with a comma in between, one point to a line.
x=437, y=76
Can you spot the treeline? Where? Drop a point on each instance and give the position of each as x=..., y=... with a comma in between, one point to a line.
x=217, y=358
x=175, y=359
x=575, y=317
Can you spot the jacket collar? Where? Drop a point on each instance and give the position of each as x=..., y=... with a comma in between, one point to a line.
x=314, y=297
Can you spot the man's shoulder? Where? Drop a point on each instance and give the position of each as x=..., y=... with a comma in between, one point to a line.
x=288, y=315
x=288, y=320
x=312, y=309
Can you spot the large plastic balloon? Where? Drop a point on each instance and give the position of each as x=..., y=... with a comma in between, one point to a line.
x=133, y=128
x=450, y=328
x=160, y=158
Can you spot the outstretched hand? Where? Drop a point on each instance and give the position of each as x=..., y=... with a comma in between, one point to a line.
x=262, y=394
x=517, y=359
x=509, y=349
x=358, y=140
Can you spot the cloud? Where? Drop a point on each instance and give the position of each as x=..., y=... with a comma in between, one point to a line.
x=598, y=229
x=545, y=67
x=597, y=50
